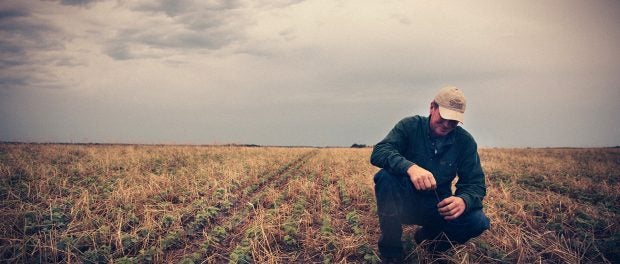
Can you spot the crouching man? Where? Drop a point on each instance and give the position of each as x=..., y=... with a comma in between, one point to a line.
x=420, y=157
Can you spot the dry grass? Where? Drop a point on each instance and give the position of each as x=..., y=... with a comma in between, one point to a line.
x=162, y=204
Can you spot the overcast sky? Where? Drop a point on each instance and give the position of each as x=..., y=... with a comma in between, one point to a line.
x=321, y=73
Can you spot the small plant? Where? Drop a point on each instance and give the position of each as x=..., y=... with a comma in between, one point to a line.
x=326, y=227
x=212, y=212
x=200, y=221
x=65, y=243
x=93, y=256
x=57, y=219
x=130, y=222
x=218, y=234
x=219, y=193
x=240, y=255
x=187, y=260
x=299, y=207
x=354, y=222
x=126, y=260
x=253, y=232
x=291, y=232
x=171, y=241
x=353, y=218
x=129, y=242
x=31, y=221
x=146, y=255
x=192, y=258
x=290, y=240
x=224, y=204
x=167, y=221
x=342, y=192
x=369, y=255
x=327, y=258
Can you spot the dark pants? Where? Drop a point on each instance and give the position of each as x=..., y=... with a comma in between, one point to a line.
x=399, y=203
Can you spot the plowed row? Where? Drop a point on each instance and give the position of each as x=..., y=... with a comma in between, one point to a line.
x=222, y=232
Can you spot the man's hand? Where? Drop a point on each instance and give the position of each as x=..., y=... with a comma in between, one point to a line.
x=422, y=179
x=451, y=207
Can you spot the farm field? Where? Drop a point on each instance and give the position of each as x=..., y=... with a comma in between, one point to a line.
x=234, y=204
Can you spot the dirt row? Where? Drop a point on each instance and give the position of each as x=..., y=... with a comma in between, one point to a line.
x=222, y=232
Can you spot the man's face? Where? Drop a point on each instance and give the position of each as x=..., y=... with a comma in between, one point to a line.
x=441, y=127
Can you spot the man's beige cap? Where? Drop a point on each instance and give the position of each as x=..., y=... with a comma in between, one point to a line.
x=451, y=101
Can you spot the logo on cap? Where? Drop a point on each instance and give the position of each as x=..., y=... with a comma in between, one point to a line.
x=457, y=104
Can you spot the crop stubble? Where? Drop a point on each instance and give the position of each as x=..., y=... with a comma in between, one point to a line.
x=133, y=204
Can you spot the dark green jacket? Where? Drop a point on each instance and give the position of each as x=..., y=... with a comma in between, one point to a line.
x=409, y=143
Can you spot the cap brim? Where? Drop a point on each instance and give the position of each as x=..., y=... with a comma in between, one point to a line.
x=451, y=114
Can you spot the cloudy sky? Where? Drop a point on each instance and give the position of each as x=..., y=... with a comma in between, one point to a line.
x=322, y=73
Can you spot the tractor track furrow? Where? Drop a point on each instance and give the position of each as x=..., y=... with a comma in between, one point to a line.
x=231, y=219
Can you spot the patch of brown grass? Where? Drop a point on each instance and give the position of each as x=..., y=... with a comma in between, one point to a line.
x=137, y=204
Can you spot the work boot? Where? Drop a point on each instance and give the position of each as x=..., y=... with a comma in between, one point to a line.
x=425, y=234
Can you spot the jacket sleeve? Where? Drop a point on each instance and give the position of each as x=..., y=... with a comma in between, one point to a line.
x=388, y=154
x=471, y=183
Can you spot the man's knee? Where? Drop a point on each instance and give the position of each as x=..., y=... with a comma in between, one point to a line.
x=467, y=226
x=390, y=193
x=387, y=180
x=383, y=177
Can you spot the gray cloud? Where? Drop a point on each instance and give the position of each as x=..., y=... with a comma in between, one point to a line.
x=11, y=12
x=12, y=82
x=118, y=52
x=21, y=32
x=175, y=8
x=23, y=38
x=208, y=25
x=169, y=7
x=11, y=55
x=278, y=3
x=180, y=39
x=78, y=2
